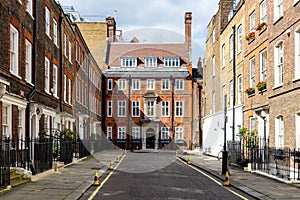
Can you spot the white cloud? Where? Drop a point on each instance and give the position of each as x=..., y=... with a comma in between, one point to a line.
x=157, y=14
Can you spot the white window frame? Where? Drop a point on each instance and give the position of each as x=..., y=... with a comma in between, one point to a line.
x=122, y=84
x=6, y=121
x=135, y=109
x=109, y=84
x=279, y=132
x=65, y=88
x=278, y=9
x=28, y=61
x=165, y=133
x=223, y=55
x=150, y=84
x=109, y=133
x=252, y=22
x=297, y=53
x=223, y=95
x=14, y=50
x=109, y=108
x=263, y=11
x=47, y=21
x=213, y=102
x=122, y=108
x=165, y=85
x=297, y=123
x=150, y=108
x=278, y=64
x=263, y=65
x=65, y=45
x=240, y=89
x=70, y=51
x=122, y=132
x=252, y=72
x=151, y=61
x=179, y=108
x=179, y=84
x=47, y=75
x=179, y=133
x=21, y=126
x=135, y=84
x=231, y=93
x=70, y=91
x=128, y=62
x=240, y=39
x=231, y=47
x=213, y=59
x=29, y=6
x=252, y=123
x=165, y=108
x=55, y=32
x=172, y=62
x=136, y=132
x=55, y=76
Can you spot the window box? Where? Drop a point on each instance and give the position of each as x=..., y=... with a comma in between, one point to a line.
x=250, y=36
x=250, y=91
x=164, y=141
x=261, y=86
x=135, y=140
x=121, y=140
x=261, y=26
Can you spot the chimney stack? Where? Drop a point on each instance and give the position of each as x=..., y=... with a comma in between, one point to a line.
x=188, y=32
x=111, y=28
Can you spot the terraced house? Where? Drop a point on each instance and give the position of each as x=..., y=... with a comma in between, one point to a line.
x=49, y=82
x=261, y=44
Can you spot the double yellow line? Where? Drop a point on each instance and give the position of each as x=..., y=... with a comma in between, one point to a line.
x=213, y=179
x=105, y=180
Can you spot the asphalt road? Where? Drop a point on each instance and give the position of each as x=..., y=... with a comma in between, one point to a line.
x=158, y=176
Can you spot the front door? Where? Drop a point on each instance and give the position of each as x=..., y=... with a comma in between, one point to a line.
x=150, y=139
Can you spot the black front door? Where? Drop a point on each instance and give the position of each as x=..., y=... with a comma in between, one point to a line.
x=150, y=140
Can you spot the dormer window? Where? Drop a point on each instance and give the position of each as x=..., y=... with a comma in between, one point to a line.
x=172, y=61
x=129, y=62
x=151, y=62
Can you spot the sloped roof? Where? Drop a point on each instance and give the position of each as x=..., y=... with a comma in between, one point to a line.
x=142, y=50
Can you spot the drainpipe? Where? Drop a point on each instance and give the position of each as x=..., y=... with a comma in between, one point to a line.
x=32, y=92
x=172, y=125
x=128, y=116
x=200, y=109
x=234, y=75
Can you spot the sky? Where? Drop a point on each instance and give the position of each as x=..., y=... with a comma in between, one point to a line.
x=152, y=20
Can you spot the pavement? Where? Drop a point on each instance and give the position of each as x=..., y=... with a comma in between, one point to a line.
x=253, y=184
x=72, y=180
x=68, y=182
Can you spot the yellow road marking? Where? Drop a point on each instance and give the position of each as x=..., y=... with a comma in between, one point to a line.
x=105, y=180
x=214, y=180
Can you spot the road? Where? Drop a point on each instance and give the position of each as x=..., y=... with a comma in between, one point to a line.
x=158, y=176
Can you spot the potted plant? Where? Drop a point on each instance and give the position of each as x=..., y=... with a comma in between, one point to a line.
x=250, y=90
x=261, y=26
x=250, y=36
x=261, y=85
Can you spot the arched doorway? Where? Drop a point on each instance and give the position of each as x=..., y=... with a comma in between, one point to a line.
x=150, y=139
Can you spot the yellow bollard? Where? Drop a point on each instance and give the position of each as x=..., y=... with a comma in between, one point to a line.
x=226, y=181
x=111, y=166
x=96, y=178
x=189, y=161
x=118, y=159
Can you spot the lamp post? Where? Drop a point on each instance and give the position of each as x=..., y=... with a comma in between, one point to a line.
x=224, y=153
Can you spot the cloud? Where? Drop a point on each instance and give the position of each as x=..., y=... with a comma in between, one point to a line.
x=157, y=14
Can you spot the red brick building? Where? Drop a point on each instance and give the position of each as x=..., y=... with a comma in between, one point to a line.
x=148, y=94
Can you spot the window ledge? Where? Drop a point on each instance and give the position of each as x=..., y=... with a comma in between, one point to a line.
x=277, y=20
x=277, y=86
x=30, y=14
x=296, y=79
x=20, y=2
x=295, y=3
x=16, y=75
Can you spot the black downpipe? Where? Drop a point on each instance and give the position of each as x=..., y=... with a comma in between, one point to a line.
x=32, y=92
x=172, y=126
x=200, y=109
x=234, y=75
x=61, y=62
x=128, y=116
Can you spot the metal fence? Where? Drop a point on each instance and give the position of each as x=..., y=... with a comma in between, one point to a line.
x=38, y=155
x=255, y=153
